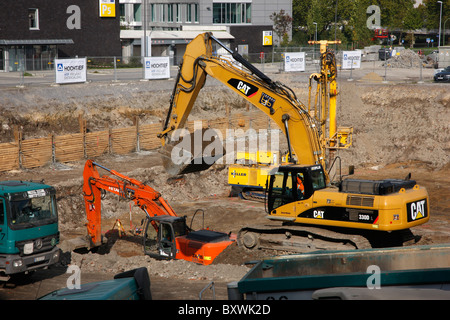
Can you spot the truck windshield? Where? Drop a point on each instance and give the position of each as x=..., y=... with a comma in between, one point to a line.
x=26, y=213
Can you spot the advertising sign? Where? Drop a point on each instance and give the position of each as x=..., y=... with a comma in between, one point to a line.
x=107, y=8
x=157, y=68
x=351, y=59
x=70, y=70
x=294, y=61
x=267, y=38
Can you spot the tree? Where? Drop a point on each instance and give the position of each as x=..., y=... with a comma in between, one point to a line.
x=432, y=10
x=411, y=22
x=282, y=24
x=399, y=16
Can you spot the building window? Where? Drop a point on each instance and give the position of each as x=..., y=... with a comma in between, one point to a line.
x=137, y=12
x=178, y=14
x=232, y=13
x=175, y=12
x=196, y=13
x=162, y=15
x=188, y=13
x=33, y=18
x=152, y=12
x=170, y=8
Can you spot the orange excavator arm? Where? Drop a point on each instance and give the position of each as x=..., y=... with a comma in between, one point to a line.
x=143, y=196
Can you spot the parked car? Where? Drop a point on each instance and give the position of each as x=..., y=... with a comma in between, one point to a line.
x=442, y=76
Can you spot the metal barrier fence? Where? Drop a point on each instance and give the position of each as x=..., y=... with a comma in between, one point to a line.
x=130, y=68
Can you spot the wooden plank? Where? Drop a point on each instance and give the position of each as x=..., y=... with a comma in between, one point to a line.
x=240, y=121
x=123, y=140
x=198, y=123
x=97, y=143
x=69, y=147
x=36, y=152
x=148, y=139
x=9, y=156
x=219, y=124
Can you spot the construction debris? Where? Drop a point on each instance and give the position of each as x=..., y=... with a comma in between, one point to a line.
x=406, y=59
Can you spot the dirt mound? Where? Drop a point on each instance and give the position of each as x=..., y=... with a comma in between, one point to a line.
x=228, y=256
x=56, y=110
x=114, y=263
x=404, y=59
x=372, y=77
x=212, y=182
x=396, y=123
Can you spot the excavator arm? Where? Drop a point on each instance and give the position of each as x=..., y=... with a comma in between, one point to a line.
x=174, y=240
x=273, y=98
x=143, y=196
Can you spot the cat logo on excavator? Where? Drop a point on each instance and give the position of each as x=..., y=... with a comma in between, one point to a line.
x=417, y=210
x=243, y=87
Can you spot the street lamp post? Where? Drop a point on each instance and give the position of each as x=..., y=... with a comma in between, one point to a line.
x=440, y=18
x=315, y=34
x=145, y=29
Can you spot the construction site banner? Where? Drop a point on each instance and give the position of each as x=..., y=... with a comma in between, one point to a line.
x=294, y=61
x=70, y=70
x=351, y=59
x=157, y=68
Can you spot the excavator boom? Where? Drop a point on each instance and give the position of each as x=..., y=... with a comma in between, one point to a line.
x=174, y=239
x=145, y=197
x=276, y=100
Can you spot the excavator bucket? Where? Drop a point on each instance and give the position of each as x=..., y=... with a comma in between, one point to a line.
x=193, y=152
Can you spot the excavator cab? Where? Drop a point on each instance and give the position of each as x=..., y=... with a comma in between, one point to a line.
x=168, y=237
x=293, y=183
x=161, y=244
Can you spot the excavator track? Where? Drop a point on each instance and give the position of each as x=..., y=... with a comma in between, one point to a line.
x=304, y=238
x=298, y=239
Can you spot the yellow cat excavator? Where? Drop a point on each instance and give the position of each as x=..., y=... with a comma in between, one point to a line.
x=305, y=211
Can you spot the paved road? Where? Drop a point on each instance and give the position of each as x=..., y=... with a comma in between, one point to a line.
x=47, y=78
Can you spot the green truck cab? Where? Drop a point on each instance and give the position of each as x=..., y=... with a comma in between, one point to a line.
x=28, y=227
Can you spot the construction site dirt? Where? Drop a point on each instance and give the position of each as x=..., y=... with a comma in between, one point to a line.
x=399, y=129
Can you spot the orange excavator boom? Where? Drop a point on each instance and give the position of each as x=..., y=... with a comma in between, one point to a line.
x=200, y=246
x=145, y=197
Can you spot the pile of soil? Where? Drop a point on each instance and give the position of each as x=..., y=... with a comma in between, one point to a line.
x=113, y=263
x=405, y=59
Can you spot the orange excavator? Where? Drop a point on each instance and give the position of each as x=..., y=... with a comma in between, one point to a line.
x=165, y=235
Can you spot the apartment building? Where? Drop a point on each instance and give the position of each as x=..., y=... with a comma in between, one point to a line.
x=34, y=32
x=243, y=23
